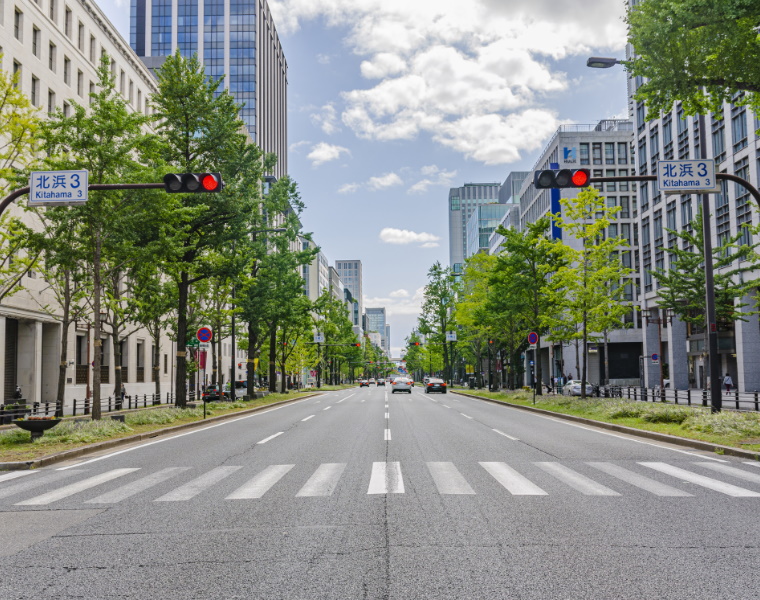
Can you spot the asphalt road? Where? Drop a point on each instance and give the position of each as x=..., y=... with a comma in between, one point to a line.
x=368, y=494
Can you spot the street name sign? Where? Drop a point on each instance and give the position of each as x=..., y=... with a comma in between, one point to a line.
x=319, y=338
x=686, y=176
x=58, y=188
x=451, y=336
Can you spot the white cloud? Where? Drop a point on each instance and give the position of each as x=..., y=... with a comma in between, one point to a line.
x=348, y=188
x=324, y=59
x=399, y=294
x=430, y=245
x=326, y=119
x=464, y=73
x=390, y=235
x=398, y=306
x=324, y=152
x=384, y=181
x=296, y=146
x=433, y=176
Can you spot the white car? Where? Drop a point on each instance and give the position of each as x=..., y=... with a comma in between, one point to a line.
x=401, y=384
x=573, y=388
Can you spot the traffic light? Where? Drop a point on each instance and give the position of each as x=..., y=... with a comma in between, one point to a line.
x=416, y=344
x=358, y=345
x=193, y=183
x=561, y=178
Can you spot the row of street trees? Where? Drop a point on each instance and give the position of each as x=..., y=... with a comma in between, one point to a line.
x=130, y=259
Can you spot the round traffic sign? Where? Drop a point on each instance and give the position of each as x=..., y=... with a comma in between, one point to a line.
x=532, y=338
x=204, y=334
x=655, y=357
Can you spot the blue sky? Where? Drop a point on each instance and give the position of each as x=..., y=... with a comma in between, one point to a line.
x=392, y=102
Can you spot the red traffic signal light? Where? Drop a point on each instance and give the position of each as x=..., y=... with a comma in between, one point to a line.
x=416, y=344
x=562, y=178
x=193, y=183
x=358, y=345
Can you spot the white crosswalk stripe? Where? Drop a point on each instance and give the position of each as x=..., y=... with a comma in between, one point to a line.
x=135, y=487
x=733, y=471
x=701, y=480
x=15, y=475
x=197, y=485
x=645, y=483
x=448, y=479
x=261, y=484
x=575, y=480
x=515, y=483
x=386, y=478
x=323, y=481
x=75, y=488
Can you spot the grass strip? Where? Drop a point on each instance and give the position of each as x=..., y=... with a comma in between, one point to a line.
x=727, y=428
x=16, y=445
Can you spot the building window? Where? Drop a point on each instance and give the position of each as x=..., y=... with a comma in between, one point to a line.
x=17, y=71
x=66, y=70
x=609, y=153
x=718, y=140
x=92, y=49
x=18, y=25
x=625, y=207
x=51, y=102
x=131, y=91
x=739, y=128
x=36, y=42
x=80, y=36
x=66, y=109
x=644, y=191
x=53, y=10
x=139, y=99
x=51, y=56
x=80, y=83
x=623, y=185
x=584, y=154
x=610, y=184
x=596, y=150
x=643, y=156
x=35, y=91
x=67, y=22
x=455, y=204
x=743, y=207
x=622, y=153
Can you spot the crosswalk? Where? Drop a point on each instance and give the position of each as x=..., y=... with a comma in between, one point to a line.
x=602, y=479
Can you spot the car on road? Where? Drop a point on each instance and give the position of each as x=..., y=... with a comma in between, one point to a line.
x=372, y=380
x=363, y=383
x=574, y=386
x=211, y=394
x=401, y=384
x=435, y=385
x=381, y=382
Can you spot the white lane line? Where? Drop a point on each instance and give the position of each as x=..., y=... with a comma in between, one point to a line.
x=129, y=490
x=701, y=480
x=307, y=418
x=515, y=483
x=30, y=484
x=387, y=415
x=511, y=437
x=174, y=437
x=75, y=488
x=733, y=471
x=192, y=488
x=318, y=402
x=448, y=479
x=387, y=435
x=261, y=484
x=466, y=416
x=364, y=399
x=323, y=481
x=645, y=483
x=327, y=408
x=16, y=475
x=271, y=437
x=583, y=484
x=447, y=406
x=754, y=463
x=386, y=478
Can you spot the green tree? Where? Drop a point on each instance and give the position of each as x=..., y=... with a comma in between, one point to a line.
x=590, y=287
x=699, y=52
x=437, y=316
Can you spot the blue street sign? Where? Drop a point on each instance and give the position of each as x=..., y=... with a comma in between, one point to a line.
x=532, y=338
x=56, y=188
x=204, y=334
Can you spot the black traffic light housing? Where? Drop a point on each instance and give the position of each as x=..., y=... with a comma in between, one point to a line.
x=561, y=178
x=358, y=345
x=193, y=183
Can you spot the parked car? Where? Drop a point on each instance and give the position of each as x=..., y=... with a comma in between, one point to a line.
x=574, y=386
x=211, y=394
x=241, y=389
x=401, y=384
x=435, y=385
x=363, y=383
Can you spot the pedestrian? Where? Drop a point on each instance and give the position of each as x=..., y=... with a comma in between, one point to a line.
x=728, y=382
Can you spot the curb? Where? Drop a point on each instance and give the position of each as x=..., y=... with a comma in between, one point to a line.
x=106, y=445
x=652, y=435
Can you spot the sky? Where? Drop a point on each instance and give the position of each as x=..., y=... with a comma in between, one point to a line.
x=393, y=102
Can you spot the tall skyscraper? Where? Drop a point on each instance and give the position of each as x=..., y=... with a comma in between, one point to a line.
x=350, y=272
x=234, y=39
x=376, y=321
x=462, y=203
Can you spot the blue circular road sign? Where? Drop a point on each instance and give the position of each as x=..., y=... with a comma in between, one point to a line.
x=204, y=334
x=532, y=338
x=655, y=357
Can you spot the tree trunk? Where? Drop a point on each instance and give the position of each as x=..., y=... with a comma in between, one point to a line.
x=98, y=343
x=251, y=366
x=65, y=323
x=180, y=379
x=157, y=357
x=272, y=358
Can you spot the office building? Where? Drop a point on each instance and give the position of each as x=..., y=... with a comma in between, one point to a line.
x=482, y=224
x=237, y=40
x=462, y=202
x=350, y=272
x=376, y=321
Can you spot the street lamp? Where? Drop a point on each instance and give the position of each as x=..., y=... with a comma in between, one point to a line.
x=716, y=398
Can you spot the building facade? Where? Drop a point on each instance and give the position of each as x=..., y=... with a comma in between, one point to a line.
x=605, y=149
x=350, y=272
x=462, y=203
x=237, y=40
x=376, y=321
x=482, y=224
